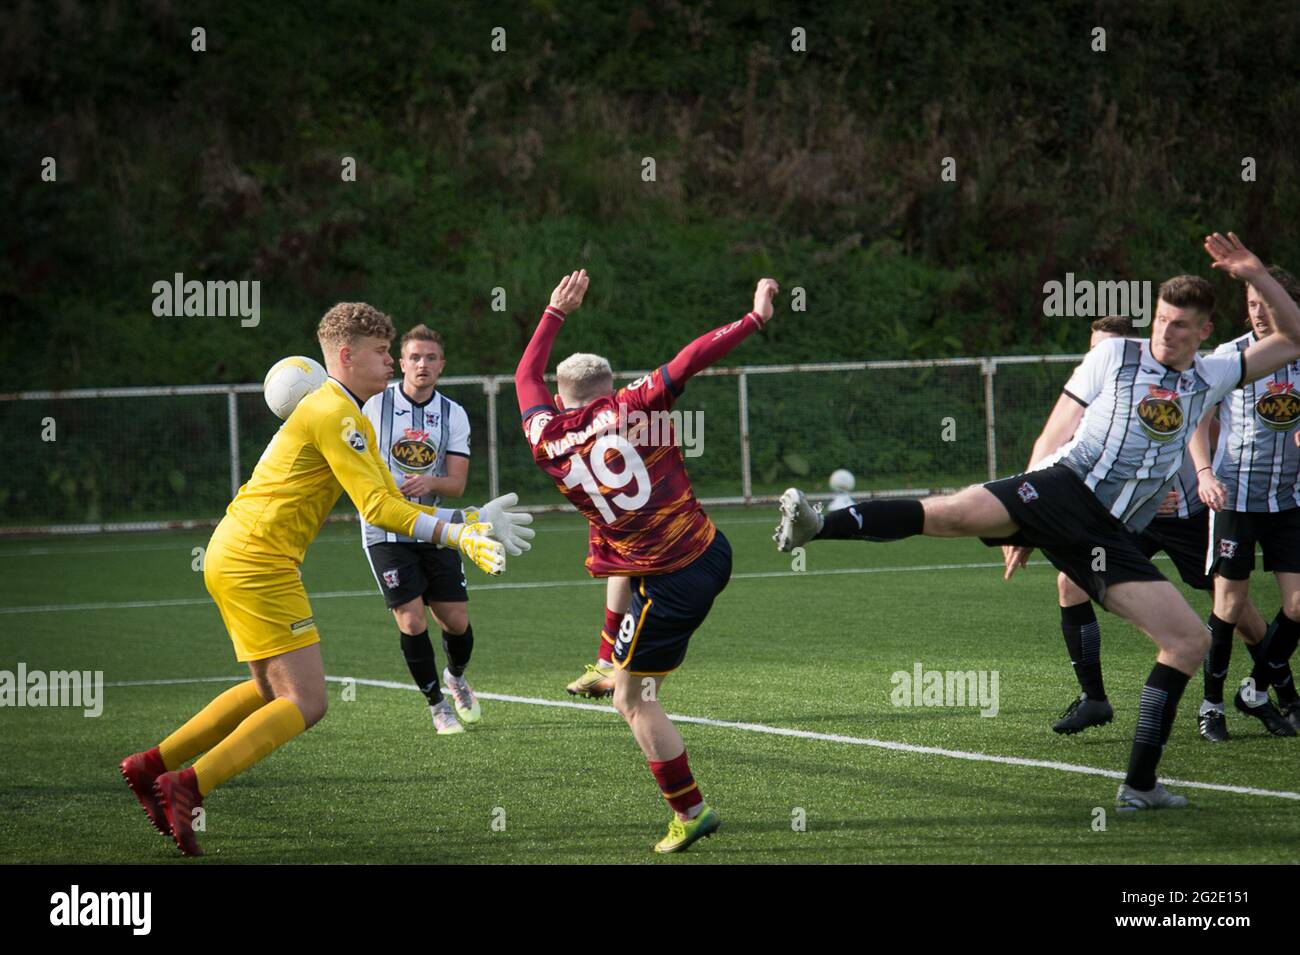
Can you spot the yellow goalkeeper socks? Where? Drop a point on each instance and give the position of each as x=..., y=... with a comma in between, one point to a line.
x=254, y=739
x=211, y=725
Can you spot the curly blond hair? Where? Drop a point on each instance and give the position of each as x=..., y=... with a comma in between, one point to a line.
x=347, y=321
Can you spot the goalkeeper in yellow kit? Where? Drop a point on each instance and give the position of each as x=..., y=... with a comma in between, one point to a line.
x=325, y=447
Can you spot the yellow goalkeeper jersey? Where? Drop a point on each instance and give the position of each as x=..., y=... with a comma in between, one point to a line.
x=326, y=446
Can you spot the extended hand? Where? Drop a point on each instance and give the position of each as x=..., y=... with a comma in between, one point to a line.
x=568, y=294
x=1212, y=494
x=1014, y=558
x=1234, y=258
x=509, y=527
x=763, y=295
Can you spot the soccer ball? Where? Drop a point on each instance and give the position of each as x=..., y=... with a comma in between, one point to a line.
x=841, y=480
x=841, y=483
x=289, y=381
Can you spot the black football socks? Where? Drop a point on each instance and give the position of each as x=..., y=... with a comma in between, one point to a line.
x=1164, y=688
x=1082, y=635
x=1217, y=660
x=1286, y=635
x=423, y=664
x=874, y=521
x=458, y=648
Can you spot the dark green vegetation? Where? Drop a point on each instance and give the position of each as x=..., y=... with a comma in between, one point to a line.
x=813, y=652
x=479, y=170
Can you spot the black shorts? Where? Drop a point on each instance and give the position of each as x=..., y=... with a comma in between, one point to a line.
x=1237, y=532
x=667, y=608
x=406, y=571
x=1187, y=542
x=1058, y=514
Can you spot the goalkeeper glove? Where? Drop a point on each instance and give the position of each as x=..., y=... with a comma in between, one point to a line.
x=509, y=527
x=473, y=540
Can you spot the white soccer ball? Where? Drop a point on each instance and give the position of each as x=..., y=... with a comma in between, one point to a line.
x=841, y=480
x=289, y=381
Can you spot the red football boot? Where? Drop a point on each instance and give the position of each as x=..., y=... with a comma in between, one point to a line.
x=141, y=771
x=180, y=796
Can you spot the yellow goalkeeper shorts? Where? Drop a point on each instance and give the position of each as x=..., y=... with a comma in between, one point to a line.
x=261, y=598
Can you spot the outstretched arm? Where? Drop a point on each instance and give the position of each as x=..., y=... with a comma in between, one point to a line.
x=713, y=346
x=1061, y=425
x=530, y=383
x=1264, y=357
x=347, y=444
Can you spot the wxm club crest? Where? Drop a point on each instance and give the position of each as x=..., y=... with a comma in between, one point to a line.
x=1279, y=407
x=391, y=579
x=415, y=453
x=1160, y=414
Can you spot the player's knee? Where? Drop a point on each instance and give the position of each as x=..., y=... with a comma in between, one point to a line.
x=410, y=620
x=1228, y=604
x=1192, y=645
x=1291, y=605
x=1067, y=592
x=624, y=705
x=312, y=707
x=455, y=622
x=627, y=701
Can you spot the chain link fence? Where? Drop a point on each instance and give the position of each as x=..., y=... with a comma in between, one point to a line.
x=152, y=458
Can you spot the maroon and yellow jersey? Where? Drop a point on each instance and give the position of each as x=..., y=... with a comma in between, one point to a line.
x=617, y=461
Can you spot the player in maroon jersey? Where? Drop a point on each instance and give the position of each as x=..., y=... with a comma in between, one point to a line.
x=609, y=455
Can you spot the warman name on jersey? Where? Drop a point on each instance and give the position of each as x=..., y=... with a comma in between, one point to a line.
x=603, y=421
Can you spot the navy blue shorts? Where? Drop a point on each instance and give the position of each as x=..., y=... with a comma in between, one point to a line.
x=667, y=608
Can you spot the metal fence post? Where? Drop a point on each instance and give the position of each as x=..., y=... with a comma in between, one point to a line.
x=989, y=367
x=746, y=479
x=232, y=422
x=490, y=386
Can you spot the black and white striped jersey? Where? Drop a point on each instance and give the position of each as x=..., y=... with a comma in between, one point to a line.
x=414, y=438
x=1257, y=460
x=1140, y=414
x=1186, y=483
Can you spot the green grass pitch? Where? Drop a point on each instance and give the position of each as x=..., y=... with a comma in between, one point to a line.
x=811, y=651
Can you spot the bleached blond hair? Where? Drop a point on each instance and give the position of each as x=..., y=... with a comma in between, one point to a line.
x=584, y=377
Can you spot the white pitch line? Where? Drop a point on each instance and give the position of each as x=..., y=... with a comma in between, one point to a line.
x=522, y=585
x=778, y=731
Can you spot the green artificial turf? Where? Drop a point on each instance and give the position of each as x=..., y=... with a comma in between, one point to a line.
x=810, y=651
